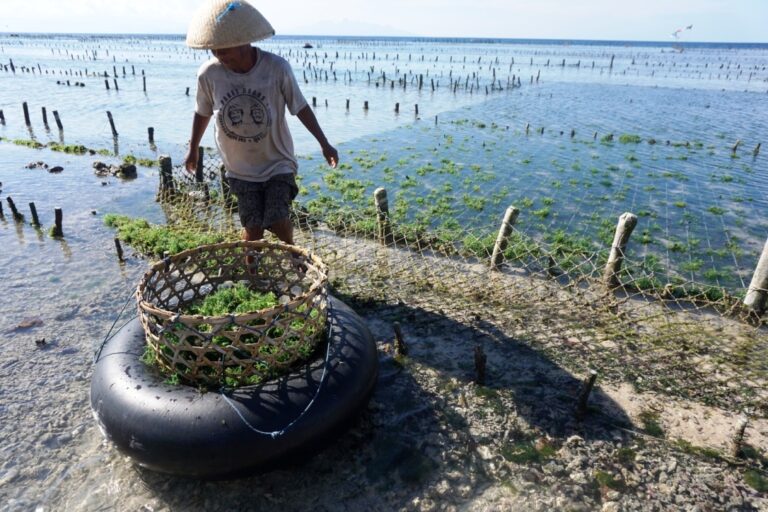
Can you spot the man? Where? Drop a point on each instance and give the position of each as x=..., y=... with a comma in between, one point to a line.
x=248, y=90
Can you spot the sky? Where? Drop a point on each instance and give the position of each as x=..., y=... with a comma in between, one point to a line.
x=634, y=20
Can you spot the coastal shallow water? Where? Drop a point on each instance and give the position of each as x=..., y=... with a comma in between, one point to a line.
x=72, y=290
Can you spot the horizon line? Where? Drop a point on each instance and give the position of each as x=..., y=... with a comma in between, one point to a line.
x=407, y=37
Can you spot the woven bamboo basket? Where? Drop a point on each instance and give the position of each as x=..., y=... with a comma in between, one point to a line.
x=234, y=349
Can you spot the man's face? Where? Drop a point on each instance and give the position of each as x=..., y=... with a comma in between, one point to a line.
x=235, y=58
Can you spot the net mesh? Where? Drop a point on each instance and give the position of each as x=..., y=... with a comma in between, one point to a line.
x=634, y=321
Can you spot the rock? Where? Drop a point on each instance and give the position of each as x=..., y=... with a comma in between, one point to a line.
x=610, y=506
x=579, y=477
x=29, y=323
x=574, y=441
x=56, y=169
x=126, y=171
x=9, y=476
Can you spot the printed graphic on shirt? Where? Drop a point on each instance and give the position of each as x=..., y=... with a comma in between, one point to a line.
x=244, y=115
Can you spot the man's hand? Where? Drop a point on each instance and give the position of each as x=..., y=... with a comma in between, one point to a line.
x=190, y=161
x=331, y=155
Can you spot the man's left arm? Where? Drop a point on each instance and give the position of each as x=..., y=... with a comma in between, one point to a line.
x=308, y=119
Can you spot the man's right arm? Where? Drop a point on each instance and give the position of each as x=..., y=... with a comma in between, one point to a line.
x=199, y=124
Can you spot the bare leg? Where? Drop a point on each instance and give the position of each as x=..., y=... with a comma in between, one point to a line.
x=284, y=230
x=253, y=233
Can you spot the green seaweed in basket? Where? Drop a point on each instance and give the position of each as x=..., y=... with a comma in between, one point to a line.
x=237, y=299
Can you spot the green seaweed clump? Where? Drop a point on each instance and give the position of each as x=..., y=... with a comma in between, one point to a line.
x=73, y=149
x=236, y=299
x=628, y=138
x=156, y=240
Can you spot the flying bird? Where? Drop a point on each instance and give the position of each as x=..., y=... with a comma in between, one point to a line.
x=676, y=33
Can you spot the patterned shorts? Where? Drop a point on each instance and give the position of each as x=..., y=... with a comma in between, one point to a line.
x=261, y=204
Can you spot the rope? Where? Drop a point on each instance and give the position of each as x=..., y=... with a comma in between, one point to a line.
x=277, y=433
x=108, y=337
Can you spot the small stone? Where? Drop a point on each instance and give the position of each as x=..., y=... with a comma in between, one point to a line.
x=574, y=441
x=610, y=506
x=29, y=323
x=9, y=476
x=56, y=169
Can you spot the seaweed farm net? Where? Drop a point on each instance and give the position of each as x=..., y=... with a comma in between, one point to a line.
x=634, y=322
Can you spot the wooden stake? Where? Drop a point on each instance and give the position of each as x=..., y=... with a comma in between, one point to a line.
x=58, y=120
x=756, y=151
x=401, y=349
x=2, y=118
x=151, y=135
x=35, y=219
x=382, y=213
x=480, y=360
x=144, y=83
x=757, y=293
x=16, y=215
x=119, y=250
x=45, y=118
x=166, y=178
x=57, y=230
x=225, y=190
x=26, y=114
x=586, y=390
x=626, y=225
x=112, y=123
x=510, y=217
x=738, y=439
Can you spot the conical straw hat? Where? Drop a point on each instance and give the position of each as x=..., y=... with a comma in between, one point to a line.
x=225, y=24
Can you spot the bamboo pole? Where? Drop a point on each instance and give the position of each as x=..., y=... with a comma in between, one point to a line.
x=757, y=293
x=624, y=228
x=510, y=217
x=382, y=214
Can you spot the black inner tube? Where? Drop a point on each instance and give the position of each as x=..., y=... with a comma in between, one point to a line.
x=181, y=430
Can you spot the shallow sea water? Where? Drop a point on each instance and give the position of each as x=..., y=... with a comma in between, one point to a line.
x=711, y=97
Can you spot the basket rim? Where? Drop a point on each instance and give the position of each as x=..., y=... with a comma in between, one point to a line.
x=315, y=288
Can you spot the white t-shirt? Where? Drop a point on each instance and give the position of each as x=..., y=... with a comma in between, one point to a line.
x=251, y=129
